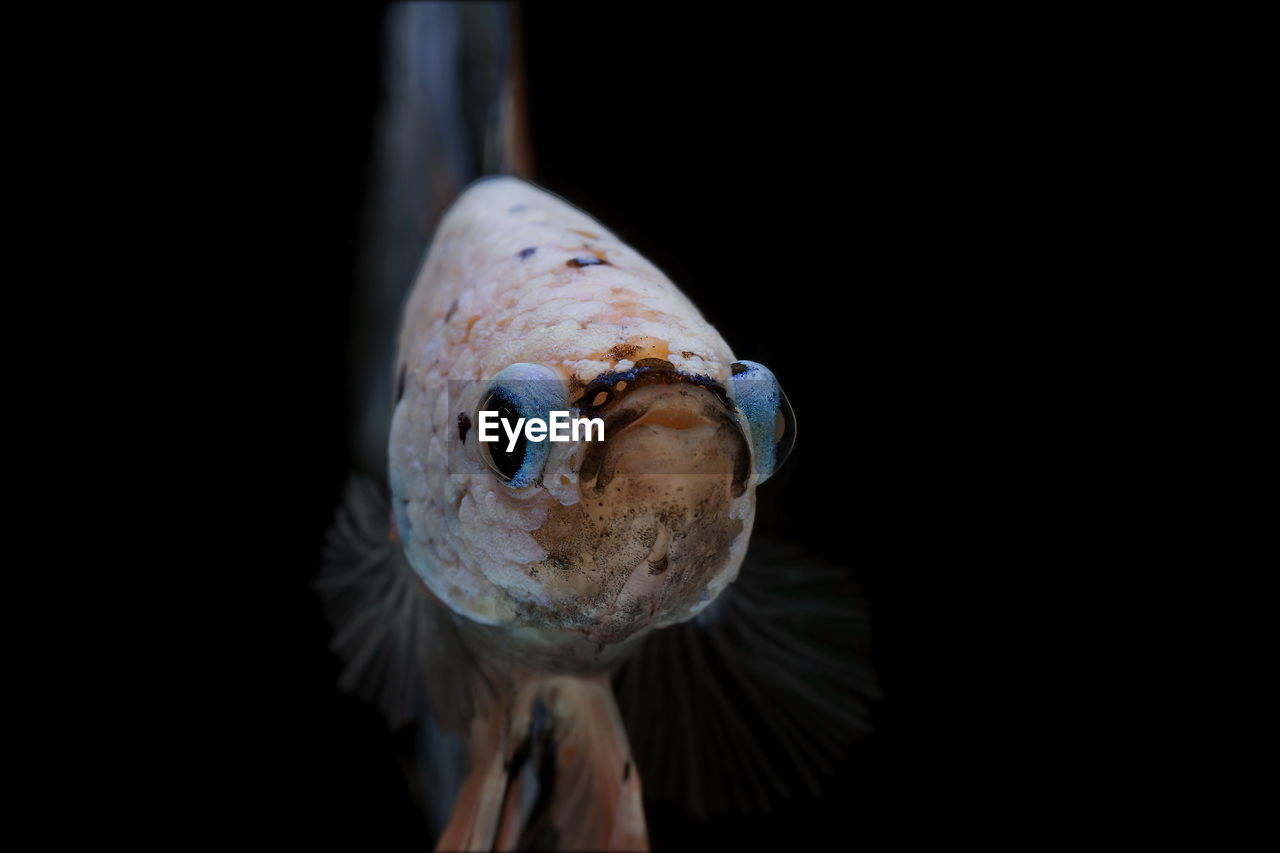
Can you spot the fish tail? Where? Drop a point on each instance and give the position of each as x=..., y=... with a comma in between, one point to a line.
x=552, y=770
x=451, y=110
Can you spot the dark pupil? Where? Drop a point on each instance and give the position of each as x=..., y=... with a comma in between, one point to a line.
x=506, y=463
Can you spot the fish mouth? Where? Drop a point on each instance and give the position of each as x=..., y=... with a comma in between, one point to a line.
x=660, y=421
x=655, y=521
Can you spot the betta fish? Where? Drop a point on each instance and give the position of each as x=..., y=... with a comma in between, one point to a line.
x=568, y=621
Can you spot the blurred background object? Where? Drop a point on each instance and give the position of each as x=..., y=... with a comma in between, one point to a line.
x=449, y=111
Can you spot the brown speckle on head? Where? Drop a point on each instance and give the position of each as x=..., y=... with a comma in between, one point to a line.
x=471, y=321
x=586, y=234
x=464, y=425
x=453, y=309
x=620, y=351
x=575, y=387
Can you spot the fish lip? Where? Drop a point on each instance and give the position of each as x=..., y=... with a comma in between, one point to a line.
x=646, y=371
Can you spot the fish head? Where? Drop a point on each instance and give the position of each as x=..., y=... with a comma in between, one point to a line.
x=525, y=307
x=636, y=521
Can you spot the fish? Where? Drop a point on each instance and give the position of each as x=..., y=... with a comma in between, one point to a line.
x=585, y=544
x=518, y=577
x=577, y=627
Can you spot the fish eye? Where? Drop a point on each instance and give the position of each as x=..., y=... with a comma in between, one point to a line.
x=519, y=391
x=506, y=464
x=771, y=421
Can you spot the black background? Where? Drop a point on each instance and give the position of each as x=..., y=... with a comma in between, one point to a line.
x=846, y=199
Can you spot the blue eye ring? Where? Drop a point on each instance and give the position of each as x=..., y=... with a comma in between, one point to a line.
x=770, y=419
x=520, y=390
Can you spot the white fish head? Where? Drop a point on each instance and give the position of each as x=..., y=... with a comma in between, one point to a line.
x=528, y=306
